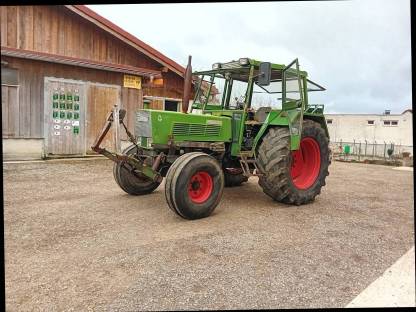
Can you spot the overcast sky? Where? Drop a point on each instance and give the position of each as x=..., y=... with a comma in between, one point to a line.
x=359, y=50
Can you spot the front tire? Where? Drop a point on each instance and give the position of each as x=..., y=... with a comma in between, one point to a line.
x=194, y=185
x=133, y=184
x=294, y=177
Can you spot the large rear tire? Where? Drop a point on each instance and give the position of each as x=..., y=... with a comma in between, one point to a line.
x=194, y=185
x=294, y=177
x=132, y=183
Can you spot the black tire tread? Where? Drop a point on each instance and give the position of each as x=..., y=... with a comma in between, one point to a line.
x=174, y=173
x=138, y=188
x=169, y=177
x=274, y=158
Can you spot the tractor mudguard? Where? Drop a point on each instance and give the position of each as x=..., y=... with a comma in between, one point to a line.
x=273, y=119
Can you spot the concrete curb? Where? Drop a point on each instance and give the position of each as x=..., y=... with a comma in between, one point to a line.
x=403, y=168
x=395, y=288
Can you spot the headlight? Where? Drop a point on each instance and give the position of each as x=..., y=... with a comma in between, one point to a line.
x=243, y=61
x=216, y=66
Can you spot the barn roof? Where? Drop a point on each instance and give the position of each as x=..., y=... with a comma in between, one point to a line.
x=128, y=38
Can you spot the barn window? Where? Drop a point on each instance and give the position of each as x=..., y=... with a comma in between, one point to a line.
x=171, y=106
x=370, y=122
x=9, y=76
x=329, y=121
x=394, y=122
x=386, y=122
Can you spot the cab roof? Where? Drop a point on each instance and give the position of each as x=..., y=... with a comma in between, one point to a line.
x=240, y=69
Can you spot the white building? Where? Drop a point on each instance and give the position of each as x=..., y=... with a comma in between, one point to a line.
x=373, y=128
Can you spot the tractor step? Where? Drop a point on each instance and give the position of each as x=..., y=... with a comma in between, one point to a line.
x=245, y=165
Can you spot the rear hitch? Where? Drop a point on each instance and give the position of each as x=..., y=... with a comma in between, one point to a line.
x=136, y=164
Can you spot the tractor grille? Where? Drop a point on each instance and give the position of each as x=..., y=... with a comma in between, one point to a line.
x=186, y=129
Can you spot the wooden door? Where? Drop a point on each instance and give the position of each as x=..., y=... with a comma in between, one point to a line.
x=101, y=100
x=10, y=111
x=64, y=117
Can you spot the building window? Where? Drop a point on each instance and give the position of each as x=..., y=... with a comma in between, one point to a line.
x=9, y=76
x=391, y=122
x=329, y=121
x=171, y=105
x=370, y=122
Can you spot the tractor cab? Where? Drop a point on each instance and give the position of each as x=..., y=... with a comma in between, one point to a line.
x=254, y=92
x=247, y=82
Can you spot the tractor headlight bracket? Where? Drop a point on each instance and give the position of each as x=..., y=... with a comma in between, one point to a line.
x=244, y=61
x=216, y=66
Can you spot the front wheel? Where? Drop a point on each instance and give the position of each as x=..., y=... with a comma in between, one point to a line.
x=294, y=177
x=194, y=185
x=131, y=181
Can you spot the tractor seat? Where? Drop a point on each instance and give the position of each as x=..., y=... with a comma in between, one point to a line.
x=261, y=113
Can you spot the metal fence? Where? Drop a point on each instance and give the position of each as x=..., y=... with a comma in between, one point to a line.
x=369, y=150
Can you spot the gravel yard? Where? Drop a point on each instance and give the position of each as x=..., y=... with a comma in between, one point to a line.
x=75, y=241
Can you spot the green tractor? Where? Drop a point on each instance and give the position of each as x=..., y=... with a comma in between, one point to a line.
x=222, y=140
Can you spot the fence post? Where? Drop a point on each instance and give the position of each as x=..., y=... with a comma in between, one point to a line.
x=365, y=150
x=385, y=144
x=359, y=152
x=354, y=151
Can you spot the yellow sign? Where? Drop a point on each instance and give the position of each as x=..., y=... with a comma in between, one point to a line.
x=158, y=82
x=134, y=82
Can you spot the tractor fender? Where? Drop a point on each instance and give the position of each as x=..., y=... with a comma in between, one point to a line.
x=273, y=119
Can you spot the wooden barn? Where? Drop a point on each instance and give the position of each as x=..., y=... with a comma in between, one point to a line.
x=63, y=68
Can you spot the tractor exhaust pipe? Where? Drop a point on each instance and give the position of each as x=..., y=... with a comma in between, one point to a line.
x=187, y=86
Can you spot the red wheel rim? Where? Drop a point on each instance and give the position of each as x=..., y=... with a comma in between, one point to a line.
x=306, y=163
x=200, y=187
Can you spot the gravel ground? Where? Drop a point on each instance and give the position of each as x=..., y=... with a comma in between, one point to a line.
x=75, y=241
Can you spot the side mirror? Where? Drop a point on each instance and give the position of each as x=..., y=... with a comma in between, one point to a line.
x=265, y=72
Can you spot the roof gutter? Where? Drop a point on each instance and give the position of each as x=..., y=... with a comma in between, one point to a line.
x=67, y=60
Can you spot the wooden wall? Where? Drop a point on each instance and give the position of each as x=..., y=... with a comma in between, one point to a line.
x=24, y=118
x=172, y=89
x=57, y=30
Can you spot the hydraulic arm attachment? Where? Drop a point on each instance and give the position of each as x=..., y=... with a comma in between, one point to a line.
x=130, y=161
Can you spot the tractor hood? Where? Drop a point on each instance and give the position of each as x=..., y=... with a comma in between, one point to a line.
x=157, y=126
